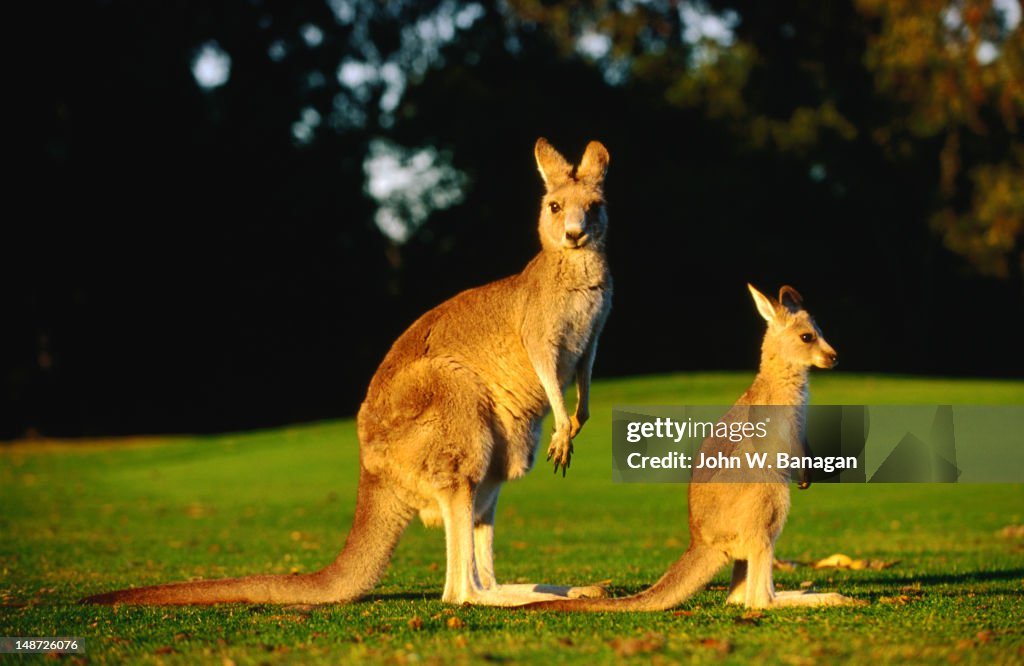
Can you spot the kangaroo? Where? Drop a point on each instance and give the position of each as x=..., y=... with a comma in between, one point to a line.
x=455, y=410
x=741, y=521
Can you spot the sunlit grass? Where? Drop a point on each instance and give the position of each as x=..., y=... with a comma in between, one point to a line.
x=83, y=518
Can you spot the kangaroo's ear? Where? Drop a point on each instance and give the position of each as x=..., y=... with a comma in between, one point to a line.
x=764, y=304
x=791, y=299
x=554, y=169
x=594, y=163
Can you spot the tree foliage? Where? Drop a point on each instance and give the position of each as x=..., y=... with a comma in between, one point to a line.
x=948, y=87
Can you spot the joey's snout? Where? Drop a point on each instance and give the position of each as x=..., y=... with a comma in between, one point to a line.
x=826, y=357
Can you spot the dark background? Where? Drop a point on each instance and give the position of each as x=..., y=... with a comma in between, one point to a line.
x=181, y=261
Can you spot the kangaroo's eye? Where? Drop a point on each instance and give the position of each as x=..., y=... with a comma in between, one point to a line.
x=554, y=206
x=807, y=337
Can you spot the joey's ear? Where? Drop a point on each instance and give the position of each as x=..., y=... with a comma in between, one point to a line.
x=594, y=163
x=791, y=299
x=764, y=304
x=552, y=166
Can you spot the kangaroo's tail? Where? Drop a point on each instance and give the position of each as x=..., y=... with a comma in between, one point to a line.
x=380, y=519
x=684, y=578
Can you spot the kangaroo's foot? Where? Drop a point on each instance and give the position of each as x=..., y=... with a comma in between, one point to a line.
x=794, y=598
x=557, y=591
x=525, y=593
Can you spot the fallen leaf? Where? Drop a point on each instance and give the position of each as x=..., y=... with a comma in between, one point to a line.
x=840, y=561
x=627, y=647
x=837, y=561
x=725, y=647
x=415, y=623
x=750, y=618
x=1012, y=532
x=455, y=623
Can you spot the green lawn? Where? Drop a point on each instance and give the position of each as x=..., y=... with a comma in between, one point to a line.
x=83, y=518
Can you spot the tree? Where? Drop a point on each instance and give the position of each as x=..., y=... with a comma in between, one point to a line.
x=791, y=77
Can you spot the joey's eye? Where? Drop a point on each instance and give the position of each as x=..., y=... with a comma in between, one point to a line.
x=807, y=337
x=554, y=206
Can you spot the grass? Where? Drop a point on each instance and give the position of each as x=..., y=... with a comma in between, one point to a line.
x=93, y=516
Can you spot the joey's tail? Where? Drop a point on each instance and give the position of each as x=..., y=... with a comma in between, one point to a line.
x=684, y=578
x=380, y=519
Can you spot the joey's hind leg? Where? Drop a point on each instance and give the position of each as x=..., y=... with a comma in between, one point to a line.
x=760, y=588
x=738, y=588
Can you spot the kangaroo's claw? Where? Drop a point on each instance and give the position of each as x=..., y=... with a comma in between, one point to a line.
x=560, y=451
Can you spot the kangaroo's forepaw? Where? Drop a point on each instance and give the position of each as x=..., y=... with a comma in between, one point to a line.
x=560, y=450
x=576, y=422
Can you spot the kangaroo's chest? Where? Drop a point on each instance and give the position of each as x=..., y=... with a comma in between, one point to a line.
x=583, y=312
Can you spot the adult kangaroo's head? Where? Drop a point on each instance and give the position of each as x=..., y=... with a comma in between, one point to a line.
x=572, y=213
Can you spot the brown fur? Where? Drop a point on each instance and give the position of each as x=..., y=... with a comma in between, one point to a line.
x=741, y=521
x=455, y=410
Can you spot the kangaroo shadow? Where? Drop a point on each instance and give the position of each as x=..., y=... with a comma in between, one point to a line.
x=966, y=577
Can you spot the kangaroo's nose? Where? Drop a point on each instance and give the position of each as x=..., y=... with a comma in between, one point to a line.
x=573, y=234
x=833, y=358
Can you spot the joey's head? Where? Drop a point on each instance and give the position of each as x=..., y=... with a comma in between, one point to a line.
x=572, y=213
x=792, y=337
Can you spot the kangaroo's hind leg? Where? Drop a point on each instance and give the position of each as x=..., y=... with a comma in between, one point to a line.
x=738, y=588
x=485, y=505
x=461, y=581
x=760, y=588
x=511, y=594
